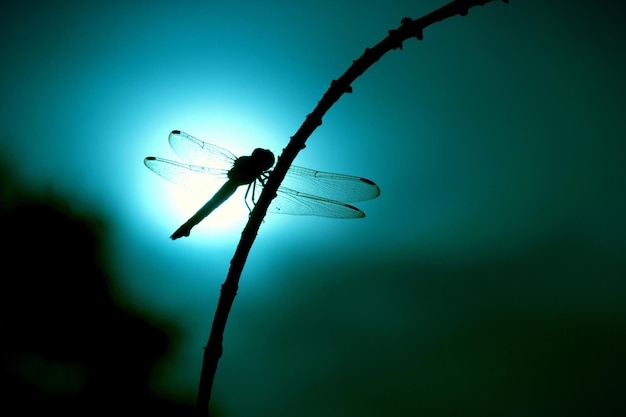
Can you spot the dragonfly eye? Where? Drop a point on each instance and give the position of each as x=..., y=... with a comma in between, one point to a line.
x=264, y=157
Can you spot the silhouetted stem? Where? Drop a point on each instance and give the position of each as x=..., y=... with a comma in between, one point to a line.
x=408, y=29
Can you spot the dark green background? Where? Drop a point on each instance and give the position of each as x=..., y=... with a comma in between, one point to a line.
x=487, y=279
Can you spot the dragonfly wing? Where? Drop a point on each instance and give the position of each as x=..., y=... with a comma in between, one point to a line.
x=330, y=186
x=198, y=152
x=194, y=177
x=293, y=202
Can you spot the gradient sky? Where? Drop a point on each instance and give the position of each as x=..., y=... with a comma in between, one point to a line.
x=490, y=268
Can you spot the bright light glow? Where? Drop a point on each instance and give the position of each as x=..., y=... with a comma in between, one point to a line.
x=230, y=214
x=175, y=204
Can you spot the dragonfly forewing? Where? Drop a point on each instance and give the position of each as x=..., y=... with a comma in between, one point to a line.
x=328, y=185
x=198, y=152
x=193, y=177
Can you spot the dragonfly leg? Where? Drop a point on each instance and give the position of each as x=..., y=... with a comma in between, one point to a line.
x=262, y=179
x=245, y=198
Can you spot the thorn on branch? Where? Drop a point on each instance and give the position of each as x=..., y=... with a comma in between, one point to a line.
x=346, y=89
x=316, y=120
x=413, y=28
x=300, y=146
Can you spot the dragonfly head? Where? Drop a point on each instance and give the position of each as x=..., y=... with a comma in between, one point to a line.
x=264, y=158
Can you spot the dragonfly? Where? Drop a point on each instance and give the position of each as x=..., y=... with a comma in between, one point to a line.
x=304, y=191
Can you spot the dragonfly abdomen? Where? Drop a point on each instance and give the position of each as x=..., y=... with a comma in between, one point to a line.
x=223, y=194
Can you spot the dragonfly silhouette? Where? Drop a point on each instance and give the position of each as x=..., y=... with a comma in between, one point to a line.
x=304, y=191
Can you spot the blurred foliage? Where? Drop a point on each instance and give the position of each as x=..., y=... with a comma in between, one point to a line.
x=67, y=347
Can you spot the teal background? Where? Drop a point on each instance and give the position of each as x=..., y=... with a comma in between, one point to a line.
x=488, y=277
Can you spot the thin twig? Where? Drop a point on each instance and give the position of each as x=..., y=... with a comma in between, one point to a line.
x=408, y=29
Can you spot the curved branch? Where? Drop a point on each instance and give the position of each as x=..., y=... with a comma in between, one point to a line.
x=408, y=29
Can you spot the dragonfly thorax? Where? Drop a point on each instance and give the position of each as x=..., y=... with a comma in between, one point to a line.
x=246, y=169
